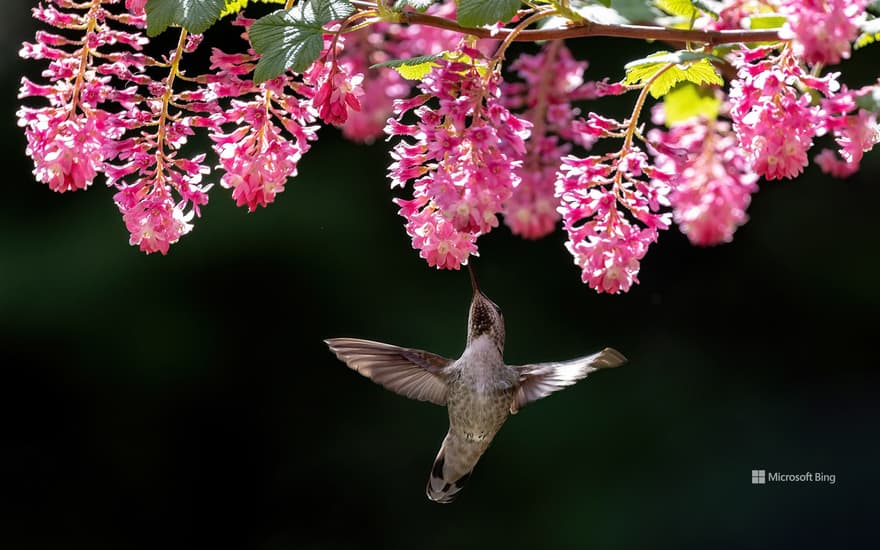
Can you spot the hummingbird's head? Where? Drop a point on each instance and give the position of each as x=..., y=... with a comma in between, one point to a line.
x=484, y=316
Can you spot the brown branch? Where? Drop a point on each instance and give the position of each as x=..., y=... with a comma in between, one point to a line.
x=589, y=28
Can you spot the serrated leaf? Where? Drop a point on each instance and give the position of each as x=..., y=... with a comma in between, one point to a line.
x=686, y=8
x=478, y=13
x=420, y=5
x=766, y=21
x=293, y=39
x=688, y=66
x=687, y=100
x=196, y=16
x=235, y=6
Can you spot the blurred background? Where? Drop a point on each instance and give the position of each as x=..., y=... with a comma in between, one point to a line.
x=188, y=401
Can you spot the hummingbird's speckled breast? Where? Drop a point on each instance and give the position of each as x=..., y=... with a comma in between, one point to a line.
x=481, y=389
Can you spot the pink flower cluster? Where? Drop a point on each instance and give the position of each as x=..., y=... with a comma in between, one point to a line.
x=713, y=184
x=152, y=217
x=463, y=160
x=776, y=116
x=100, y=100
x=823, y=30
x=855, y=130
x=545, y=97
x=257, y=156
x=336, y=89
x=68, y=139
x=611, y=208
x=774, y=121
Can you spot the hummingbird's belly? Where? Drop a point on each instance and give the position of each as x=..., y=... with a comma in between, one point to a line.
x=477, y=416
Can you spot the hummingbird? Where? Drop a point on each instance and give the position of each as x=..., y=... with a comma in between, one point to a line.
x=478, y=389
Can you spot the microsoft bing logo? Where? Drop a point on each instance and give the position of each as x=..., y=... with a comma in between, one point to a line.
x=759, y=477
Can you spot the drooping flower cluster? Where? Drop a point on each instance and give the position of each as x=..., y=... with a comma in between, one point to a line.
x=257, y=155
x=823, y=30
x=855, y=130
x=336, y=88
x=713, y=184
x=611, y=208
x=462, y=164
x=68, y=139
x=774, y=121
x=545, y=97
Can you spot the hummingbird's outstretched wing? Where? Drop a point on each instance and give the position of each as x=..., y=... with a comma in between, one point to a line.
x=413, y=373
x=542, y=379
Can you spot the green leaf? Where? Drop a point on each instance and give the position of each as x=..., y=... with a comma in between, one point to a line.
x=414, y=68
x=235, y=6
x=685, y=8
x=478, y=13
x=196, y=16
x=688, y=100
x=293, y=39
x=766, y=21
x=635, y=11
x=420, y=5
x=688, y=66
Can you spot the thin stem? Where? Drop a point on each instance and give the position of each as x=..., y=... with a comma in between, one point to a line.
x=83, y=58
x=519, y=29
x=166, y=100
x=637, y=109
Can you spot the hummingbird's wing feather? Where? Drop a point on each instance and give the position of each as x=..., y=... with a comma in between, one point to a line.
x=542, y=379
x=413, y=373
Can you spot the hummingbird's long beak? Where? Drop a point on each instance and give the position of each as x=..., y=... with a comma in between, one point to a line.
x=474, y=284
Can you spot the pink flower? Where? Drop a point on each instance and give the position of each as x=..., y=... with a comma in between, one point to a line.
x=437, y=240
x=713, y=184
x=135, y=6
x=855, y=133
x=67, y=154
x=258, y=160
x=823, y=29
x=833, y=165
x=335, y=89
x=151, y=217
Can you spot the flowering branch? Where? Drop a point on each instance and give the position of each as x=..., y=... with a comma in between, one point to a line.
x=477, y=138
x=589, y=28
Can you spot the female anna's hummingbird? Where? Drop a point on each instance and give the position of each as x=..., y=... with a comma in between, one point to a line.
x=478, y=389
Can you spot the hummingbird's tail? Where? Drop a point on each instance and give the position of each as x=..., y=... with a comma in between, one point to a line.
x=453, y=467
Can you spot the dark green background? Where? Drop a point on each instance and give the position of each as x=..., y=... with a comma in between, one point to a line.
x=188, y=401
